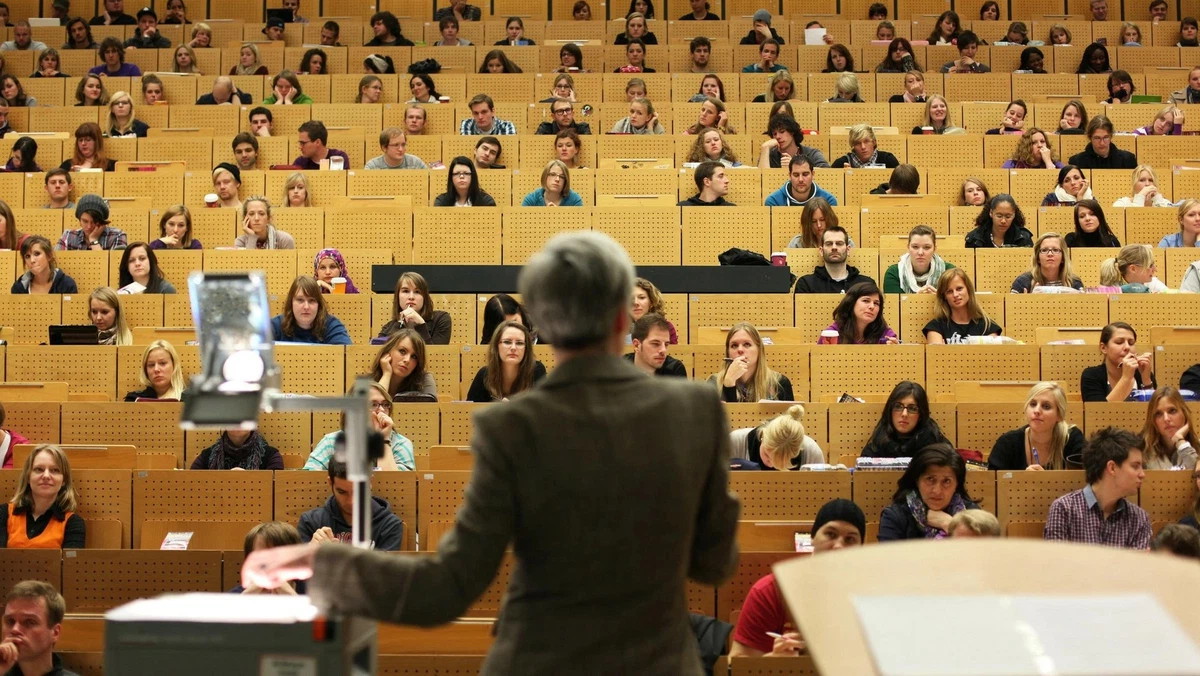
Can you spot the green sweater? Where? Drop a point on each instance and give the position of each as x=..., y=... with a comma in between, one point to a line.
x=302, y=98
x=891, y=278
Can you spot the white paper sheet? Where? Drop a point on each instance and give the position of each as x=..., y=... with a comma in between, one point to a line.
x=221, y=608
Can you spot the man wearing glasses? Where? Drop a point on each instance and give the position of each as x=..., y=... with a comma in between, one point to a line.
x=394, y=144
x=564, y=118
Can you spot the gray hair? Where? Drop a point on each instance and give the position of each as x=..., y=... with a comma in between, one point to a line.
x=575, y=288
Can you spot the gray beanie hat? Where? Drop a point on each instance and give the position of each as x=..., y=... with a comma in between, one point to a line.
x=763, y=16
x=93, y=203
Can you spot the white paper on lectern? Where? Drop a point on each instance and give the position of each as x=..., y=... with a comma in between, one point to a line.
x=1002, y=634
x=218, y=608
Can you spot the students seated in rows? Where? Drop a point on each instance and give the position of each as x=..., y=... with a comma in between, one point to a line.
x=1188, y=215
x=511, y=367
x=483, y=120
x=839, y=524
x=94, y=233
x=800, y=188
x=162, y=374
x=816, y=216
x=42, y=513
x=700, y=51
x=329, y=264
x=768, y=56
x=399, y=366
x=1000, y=224
x=1051, y=266
x=331, y=522
x=312, y=139
x=1046, y=440
x=968, y=47
x=139, y=271
x=778, y=444
x=89, y=150
x=1091, y=227
x=710, y=145
x=864, y=150
x=858, y=318
x=245, y=151
x=1170, y=441
x=412, y=308
x=713, y=185
x=834, y=275
x=785, y=142
x=746, y=376
x=1101, y=152
x=928, y=495
x=1122, y=371
x=1099, y=513
x=306, y=318
x=239, y=449
x=556, y=189
x=918, y=270
x=286, y=90
x=648, y=300
x=563, y=117
x=58, y=189
x=1033, y=152
x=905, y=425
x=258, y=226
x=1072, y=187
x=899, y=58
x=112, y=56
x=651, y=343
x=399, y=450
x=147, y=36
x=1132, y=269
x=42, y=274
x=959, y=315
x=227, y=182
x=462, y=187
x=104, y=312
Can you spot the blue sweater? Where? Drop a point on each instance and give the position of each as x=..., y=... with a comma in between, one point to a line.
x=537, y=198
x=781, y=198
x=335, y=332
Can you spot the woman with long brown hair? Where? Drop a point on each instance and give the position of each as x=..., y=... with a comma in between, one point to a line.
x=511, y=367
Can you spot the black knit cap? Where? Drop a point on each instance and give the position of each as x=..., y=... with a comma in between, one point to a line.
x=841, y=509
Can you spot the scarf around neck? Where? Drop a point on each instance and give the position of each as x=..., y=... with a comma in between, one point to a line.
x=873, y=159
x=227, y=455
x=1067, y=198
x=920, y=512
x=910, y=282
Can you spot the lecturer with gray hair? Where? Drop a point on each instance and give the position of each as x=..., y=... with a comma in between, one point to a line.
x=611, y=487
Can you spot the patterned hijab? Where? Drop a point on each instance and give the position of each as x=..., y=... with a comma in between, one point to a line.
x=341, y=262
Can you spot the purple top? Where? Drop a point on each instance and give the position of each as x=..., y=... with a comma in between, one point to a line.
x=887, y=333
x=157, y=245
x=305, y=163
x=126, y=70
x=1013, y=164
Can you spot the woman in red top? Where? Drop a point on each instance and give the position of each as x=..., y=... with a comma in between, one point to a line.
x=8, y=439
x=42, y=514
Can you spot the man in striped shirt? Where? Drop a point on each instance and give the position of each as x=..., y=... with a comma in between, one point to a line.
x=1099, y=512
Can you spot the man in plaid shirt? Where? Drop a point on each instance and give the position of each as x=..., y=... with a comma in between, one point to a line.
x=94, y=233
x=483, y=121
x=1099, y=513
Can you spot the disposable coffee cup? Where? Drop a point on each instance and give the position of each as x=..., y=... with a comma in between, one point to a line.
x=829, y=337
x=779, y=258
x=211, y=200
x=444, y=99
x=927, y=130
x=338, y=284
x=337, y=163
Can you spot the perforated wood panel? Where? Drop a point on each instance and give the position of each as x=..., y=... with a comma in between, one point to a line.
x=1125, y=415
x=59, y=119
x=526, y=230
x=85, y=369
x=995, y=269
x=196, y=152
x=709, y=232
x=34, y=420
x=164, y=187
x=1026, y=496
x=787, y=495
x=457, y=236
x=916, y=310
x=311, y=369
x=948, y=364
x=1170, y=361
x=724, y=310
x=151, y=427
x=850, y=427
x=212, y=496
x=89, y=269
x=1145, y=311
x=440, y=495
x=1063, y=363
x=456, y=422
x=1166, y=495
x=355, y=312
x=864, y=369
x=97, y=580
x=279, y=265
x=371, y=226
x=1025, y=312
x=979, y=425
x=415, y=184
x=752, y=566
x=29, y=315
x=755, y=414
x=893, y=221
x=1149, y=226
x=30, y=564
x=651, y=236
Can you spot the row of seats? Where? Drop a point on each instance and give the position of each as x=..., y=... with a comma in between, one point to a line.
x=221, y=506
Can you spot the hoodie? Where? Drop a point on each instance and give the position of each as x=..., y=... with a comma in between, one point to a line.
x=387, y=530
x=783, y=197
x=820, y=281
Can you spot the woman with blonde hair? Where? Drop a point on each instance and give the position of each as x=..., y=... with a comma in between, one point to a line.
x=1046, y=441
x=648, y=300
x=41, y=514
x=710, y=145
x=511, y=367
x=1168, y=122
x=186, y=64
x=104, y=312
x=121, y=123
x=959, y=315
x=781, y=443
x=846, y=89
x=1051, y=266
x=1188, y=214
x=937, y=116
x=914, y=89
x=555, y=189
x=641, y=119
x=258, y=227
x=161, y=375
x=1144, y=191
x=746, y=375
x=1133, y=265
x=1033, y=152
x=1169, y=435
x=202, y=36
x=295, y=191
x=249, y=61
x=781, y=86
x=864, y=151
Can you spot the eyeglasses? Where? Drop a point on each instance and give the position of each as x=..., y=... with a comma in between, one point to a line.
x=380, y=406
x=563, y=111
x=1052, y=251
x=461, y=174
x=911, y=409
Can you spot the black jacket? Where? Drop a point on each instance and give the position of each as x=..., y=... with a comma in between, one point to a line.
x=1190, y=380
x=981, y=238
x=447, y=200
x=121, y=19
x=670, y=367
x=1008, y=453
x=752, y=37
x=695, y=201
x=898, y=523
x=551, y=128
x=1117, y=159
x=820, y=281
x=387, y=530
x=208, y=100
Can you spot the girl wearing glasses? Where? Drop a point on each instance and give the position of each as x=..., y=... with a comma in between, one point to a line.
x=905, y=426
x=1051, y=266
x=381, y=421
x=510, y=367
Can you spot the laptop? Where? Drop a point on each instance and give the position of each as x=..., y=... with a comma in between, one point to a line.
x=74, y=334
